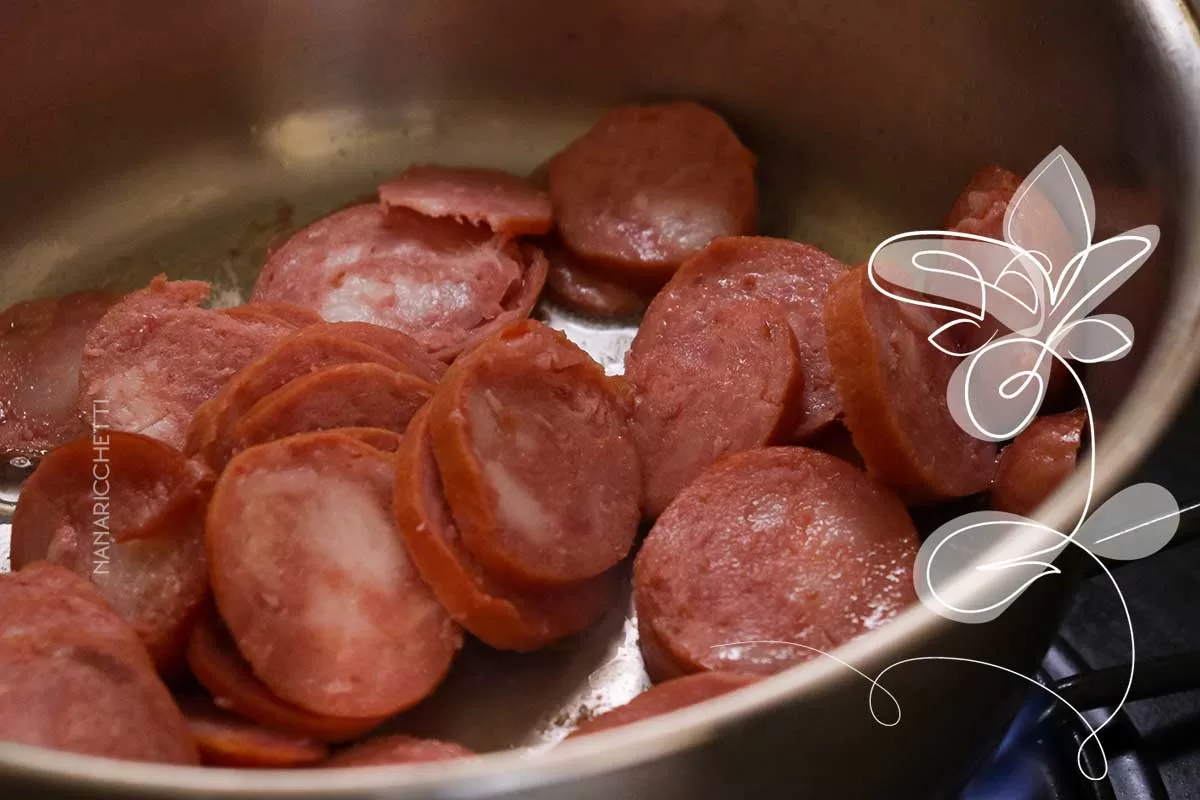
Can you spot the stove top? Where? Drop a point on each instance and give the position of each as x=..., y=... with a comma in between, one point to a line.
x=1153, y=746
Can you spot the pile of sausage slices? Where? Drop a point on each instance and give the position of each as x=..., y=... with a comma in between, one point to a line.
x=257, y=533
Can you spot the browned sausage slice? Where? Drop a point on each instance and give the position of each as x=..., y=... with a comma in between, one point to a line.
x=537, y=460
x=666, y=697
x=396, y=749
x=294, y=316
x=220, y=668
x=505, y=203
x=708, y=376
x=156, y=356
x=796, y=278
x=771, y=545
x=892, y=383
x=648, y=186
x=1037, y=462
x=440, y=281
x=227, y=740
x=41, y=344
x=382, y=440
x=212, y=435
x=503, y=616
x=346, y=396
x=585, y=289
x=74, y=677
x=311, y=577
x=126, y=512
x=400, y=346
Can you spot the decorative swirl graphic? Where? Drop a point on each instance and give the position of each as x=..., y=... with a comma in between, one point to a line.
x=1024, y=302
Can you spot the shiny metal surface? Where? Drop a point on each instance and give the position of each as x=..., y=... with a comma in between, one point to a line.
x=139, y=137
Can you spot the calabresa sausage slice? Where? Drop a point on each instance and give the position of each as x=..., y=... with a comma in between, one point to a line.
x=501, y=615
x=396, y=749
x=346, y=396
x=227, y=740
x=400, y=346
x=383, y=440
x=294, y=316
x=708, y=376
x=1037, y=462
x=666, y=697
x=585, y=290
x=768, y=546
x=440, y=281
x=648, y=186
x=41, y=344
x=126, y=512
x=796, y=278
x=310, y=575
x=892, y=384
x=505, y=203
x=155, y=356
x=536, y=457
x=220, y=668
x=73, y=675
x=212, y=433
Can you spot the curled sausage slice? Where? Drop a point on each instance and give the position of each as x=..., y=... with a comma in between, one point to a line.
x=400, y=346
x=1037, y=462
x=666, y=697
x=383, y=440
x=535, y=453
x=648, y=186
x=796, y=278
x=300, y=531
x=708, y=376
x=501, y=615
x=892, y=383
x=504, y=203
x=585, y=290
x=220, y=668
x=154, y=357
x=440, y=281
x=831, y=555
x=73, y=675
x=396, y=749
x=293, y=316
x=346, y=396
x=227, y=740
x=126, y=512
x=212, y=433
x=41, y=345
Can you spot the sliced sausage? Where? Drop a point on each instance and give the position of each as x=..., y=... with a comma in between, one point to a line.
x=227, y=740
x=212, y=432
x=892, y=384
x=648, y=186
x=294, y=316
x=440, y=281
x=382, y=440
x=73, y=675
x=771, y=546
x=41, y=345
x=126, y=512
x=346, y=396
x=666, y=697
x=505, y=203
x=796, y=278
x=396, y=749
x=220, y=668
x=709, y=376
x=1037, y=462
x=299, y=531
x=503, y=616
x=400, y=346
x=156, y=356
x=584, y=289
x=536, y=457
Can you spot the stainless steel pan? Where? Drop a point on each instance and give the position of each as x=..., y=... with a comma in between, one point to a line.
x=138, y=137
